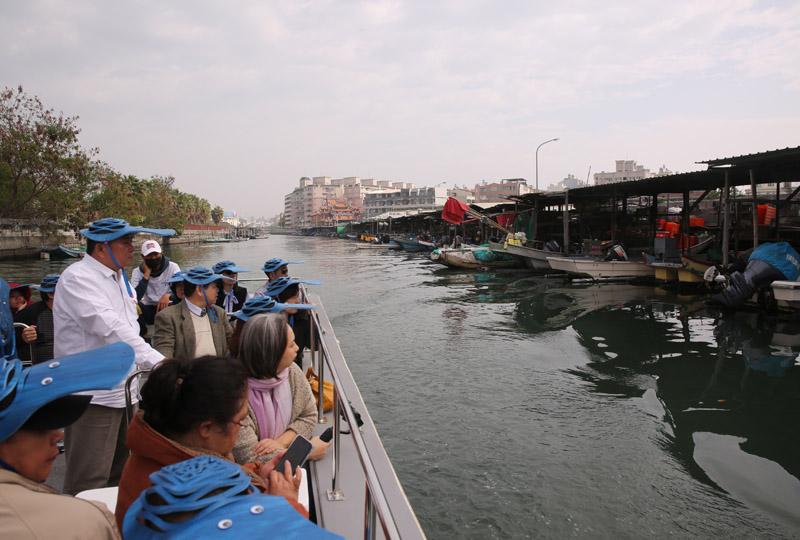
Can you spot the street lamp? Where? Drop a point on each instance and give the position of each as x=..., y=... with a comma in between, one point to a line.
x=537, y=159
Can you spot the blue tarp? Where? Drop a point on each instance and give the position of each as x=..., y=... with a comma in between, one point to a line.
x=781, y=256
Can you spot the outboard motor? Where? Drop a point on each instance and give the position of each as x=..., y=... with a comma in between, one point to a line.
x=616, y=253
x=768, y=263
x=552, y=245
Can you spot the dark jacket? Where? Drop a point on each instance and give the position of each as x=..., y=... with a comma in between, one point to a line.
x=41, y=316
x=239, y=292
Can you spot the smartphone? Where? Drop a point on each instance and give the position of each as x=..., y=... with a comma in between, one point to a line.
x=327, y=435
x=296, y=454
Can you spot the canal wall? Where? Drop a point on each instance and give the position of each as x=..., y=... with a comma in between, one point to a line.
x=20, y=238
x=193, y=234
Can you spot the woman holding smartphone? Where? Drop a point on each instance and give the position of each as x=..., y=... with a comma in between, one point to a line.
x=281, y=405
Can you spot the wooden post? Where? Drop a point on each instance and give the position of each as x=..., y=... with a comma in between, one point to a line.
x=685, y=227
x=565, y=217
x=623, y=229
x=653, y=214
x=777, y=210
x=535, y=229
x=726, y=233
x=754, y=194
x=614, y=217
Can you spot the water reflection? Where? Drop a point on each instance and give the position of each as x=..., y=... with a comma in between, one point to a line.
x=727, y=383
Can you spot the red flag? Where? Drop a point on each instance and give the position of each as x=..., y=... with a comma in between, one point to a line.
x=453, y=211
x=506, y=219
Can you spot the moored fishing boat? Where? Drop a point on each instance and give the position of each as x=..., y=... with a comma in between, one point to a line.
x=473, y=258
x=411, y=245
x=62, y=252
x=693, y=269
x=599, y=269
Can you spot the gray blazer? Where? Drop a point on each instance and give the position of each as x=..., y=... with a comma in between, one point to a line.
x=174, y=332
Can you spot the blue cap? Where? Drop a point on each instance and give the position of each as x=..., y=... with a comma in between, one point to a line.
x=107, y=229
x=220, y=502
x=200, y=275
x=264, y=304
x=273, y=264
x=227, y=266
x=177, y=277
x=277, y=286
x=49, y=283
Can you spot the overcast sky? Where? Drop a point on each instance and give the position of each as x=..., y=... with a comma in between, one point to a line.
x=238, y=100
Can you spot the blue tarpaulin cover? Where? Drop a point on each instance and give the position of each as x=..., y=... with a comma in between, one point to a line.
x=780, y=255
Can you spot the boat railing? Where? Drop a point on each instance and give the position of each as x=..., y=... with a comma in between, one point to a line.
x=29, y=362
x=386, y=504
x=135, y=376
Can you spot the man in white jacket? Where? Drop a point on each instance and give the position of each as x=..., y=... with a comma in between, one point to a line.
x=95, y=305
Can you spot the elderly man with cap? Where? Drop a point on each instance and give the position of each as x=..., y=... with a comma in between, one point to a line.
x=37, y=403
x=95, y=305
x=151, y=280
x=39, y=318
x=196, y=326
x=231, y=296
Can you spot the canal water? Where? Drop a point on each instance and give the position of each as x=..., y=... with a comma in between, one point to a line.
x=520, y=406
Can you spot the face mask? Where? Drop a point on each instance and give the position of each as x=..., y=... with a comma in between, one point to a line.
x=153, y=264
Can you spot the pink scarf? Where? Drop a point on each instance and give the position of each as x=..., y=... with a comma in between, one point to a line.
x=271, y=401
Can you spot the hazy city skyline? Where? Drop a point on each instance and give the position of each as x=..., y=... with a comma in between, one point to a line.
x=238, y=101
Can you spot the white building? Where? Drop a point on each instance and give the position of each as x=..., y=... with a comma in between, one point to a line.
x=407, y=200
x=627, y=170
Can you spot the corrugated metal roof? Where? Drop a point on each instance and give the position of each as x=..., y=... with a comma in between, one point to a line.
x=788, y=152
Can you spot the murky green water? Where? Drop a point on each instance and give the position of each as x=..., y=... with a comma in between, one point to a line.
x=516, y=406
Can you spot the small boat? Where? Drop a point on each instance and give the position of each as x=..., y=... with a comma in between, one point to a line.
x=473, y=258
x=786, y=293
x=693, y=269
x=392, y=244
x=599, y=269
x=365, y=245
x=61, y=252
x=533, y=258
x=351, y=236
x=411, y=245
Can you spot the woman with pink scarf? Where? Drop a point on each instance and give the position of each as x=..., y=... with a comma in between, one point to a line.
x=281, y=405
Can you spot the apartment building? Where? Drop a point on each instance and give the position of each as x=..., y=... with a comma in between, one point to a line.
x=404, y=200
x=500, y=191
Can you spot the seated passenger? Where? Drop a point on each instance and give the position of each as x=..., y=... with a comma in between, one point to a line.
x=207, y=497
x=176, y=288
x=151, y=280
x=196, y=326
x=188, y=408
x=256, y=306
x=274, y=269
x=39, y=318
x=19, y=297
x=287, y=290
x=35, y=405
x=231, y=296
x=281, y=405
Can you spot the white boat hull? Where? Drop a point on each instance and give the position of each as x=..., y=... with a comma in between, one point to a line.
x=787, y=293
x=600, y=269
x=535, y=259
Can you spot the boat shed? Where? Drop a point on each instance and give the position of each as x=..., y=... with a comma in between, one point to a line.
x=776, y=167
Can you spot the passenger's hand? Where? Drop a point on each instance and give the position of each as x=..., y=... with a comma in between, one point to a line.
x=29, y=334
x=320, y=448
x=285, y=484
x=267, y=446
x=146, y=271
x=163, y=302
x=265, y=468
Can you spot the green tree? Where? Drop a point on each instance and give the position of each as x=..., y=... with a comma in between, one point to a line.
x=44, y=173
x=217, y=214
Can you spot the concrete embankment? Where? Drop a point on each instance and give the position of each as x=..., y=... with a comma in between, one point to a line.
x=25, y=239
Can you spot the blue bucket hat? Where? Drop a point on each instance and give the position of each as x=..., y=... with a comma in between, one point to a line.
x=277, y=286
x=107, y=229
x=228, y=266
x=264, y=304
x=177, y=277
x=200, y=275
x=222, y=501
x=49, y=283
x=273, y=264
x=40, y=395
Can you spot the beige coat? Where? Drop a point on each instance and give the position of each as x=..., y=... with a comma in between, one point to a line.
x=174, y=335
x=304, y=418
x=30, y=510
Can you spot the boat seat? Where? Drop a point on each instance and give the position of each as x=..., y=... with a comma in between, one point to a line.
x=107, y=496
